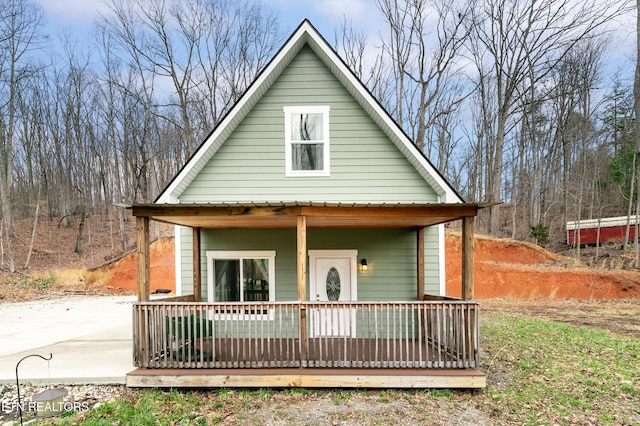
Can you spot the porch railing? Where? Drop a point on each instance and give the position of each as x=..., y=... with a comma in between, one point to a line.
x=423, y=334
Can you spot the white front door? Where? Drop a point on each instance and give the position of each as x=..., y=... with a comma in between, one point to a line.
x=333, y=278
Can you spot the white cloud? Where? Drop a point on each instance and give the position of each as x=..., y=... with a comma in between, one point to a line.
x=72, y=11
x=327, y=14
x=362, y=13
x=337, y=8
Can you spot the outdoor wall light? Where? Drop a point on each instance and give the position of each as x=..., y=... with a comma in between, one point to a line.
x=363, y=264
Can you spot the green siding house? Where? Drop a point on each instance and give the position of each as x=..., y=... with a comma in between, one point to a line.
x=309, y=234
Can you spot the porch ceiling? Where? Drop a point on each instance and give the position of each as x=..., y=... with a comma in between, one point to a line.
x=318, y=215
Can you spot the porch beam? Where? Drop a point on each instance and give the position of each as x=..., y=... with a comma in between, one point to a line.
x=467, y=258
x=436, y=210
x=321, y=215
x=197, y=266
x=420, y=263
x=143, y=252
x=289, y=222
x=211, y=210
x=453, y=210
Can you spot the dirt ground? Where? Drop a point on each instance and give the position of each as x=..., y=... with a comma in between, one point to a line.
x=502, y=269
x=56, y=240
x=617, y=316
x=163, y=272
x=521, y=270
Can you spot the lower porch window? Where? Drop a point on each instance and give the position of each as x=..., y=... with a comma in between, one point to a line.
x=241, y=276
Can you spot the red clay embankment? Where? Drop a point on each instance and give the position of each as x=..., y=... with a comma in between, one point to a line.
x=520, y=270
x=502, y=269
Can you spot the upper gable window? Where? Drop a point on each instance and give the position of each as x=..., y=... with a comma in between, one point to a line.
x=306, y=135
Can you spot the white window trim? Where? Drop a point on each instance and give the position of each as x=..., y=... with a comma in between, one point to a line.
x=240, y=255
x=307, y=109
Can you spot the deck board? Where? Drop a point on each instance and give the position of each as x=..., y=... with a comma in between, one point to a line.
x=308, y=378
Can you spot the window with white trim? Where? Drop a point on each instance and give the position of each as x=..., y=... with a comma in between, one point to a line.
x=306, y=133
x=241, y=276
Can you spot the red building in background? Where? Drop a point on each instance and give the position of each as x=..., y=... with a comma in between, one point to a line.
x=603, y=230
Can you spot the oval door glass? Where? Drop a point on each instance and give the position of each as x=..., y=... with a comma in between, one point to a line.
x=333, y=285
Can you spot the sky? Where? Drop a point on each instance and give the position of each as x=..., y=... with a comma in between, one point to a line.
x=78, y=16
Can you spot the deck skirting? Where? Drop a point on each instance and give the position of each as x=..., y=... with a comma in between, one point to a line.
x=307, y=378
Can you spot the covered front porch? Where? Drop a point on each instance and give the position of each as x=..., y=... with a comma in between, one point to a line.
x=432, y=341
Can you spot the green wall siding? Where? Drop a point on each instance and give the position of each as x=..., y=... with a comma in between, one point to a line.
x=433, y=266
x=390, y=254
x=365, y=165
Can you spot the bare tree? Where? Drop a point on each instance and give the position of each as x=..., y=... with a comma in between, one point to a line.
x=238, y=41
x=512, y=36
x=558, y=131
x=636, y=96
x=423, y=44
x=188, y=63
x=160, y=39
x=19, y=26
x=397, y=45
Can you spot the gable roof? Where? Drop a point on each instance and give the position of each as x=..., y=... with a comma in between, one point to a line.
x=306, y=34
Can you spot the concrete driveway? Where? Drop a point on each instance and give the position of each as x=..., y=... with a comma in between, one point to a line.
x=90, y=339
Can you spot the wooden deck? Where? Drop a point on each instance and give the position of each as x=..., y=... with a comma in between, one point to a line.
x=277, y=334
x=423, y=344
x=416, y=378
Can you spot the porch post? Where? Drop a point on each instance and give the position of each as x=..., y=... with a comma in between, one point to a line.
x=467, y=258
x=142, y=226
x=302, y=257
x=420, y=263
x=302, y=285
x=197, y=267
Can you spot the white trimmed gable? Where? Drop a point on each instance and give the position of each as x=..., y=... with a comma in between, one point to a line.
x=306, y=34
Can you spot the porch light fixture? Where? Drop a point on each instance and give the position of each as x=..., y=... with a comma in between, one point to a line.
x=363, y=264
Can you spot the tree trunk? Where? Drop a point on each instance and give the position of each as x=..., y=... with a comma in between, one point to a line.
x=33, y=231
x=79, y=236
x=636, y=98
x=496, y=175
x=6, y=220
x=123, y=231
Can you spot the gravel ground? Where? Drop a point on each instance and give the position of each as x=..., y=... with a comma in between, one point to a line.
x=318, y=408
x=79, y=397
x=399, y=408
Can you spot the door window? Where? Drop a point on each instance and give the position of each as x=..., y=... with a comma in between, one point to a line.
x=333, y=285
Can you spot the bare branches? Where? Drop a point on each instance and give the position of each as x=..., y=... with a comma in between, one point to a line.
x=423, y=46
x=636, y=98
x=522, y=43
x=499, y=94
x=19, y=26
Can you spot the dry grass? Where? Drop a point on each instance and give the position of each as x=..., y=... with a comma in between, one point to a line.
x=48, y=285
x=78, y=278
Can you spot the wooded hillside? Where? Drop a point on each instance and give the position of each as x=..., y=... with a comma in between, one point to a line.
x=511, y=100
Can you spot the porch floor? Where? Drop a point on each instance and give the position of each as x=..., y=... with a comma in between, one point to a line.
x=307, y=378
